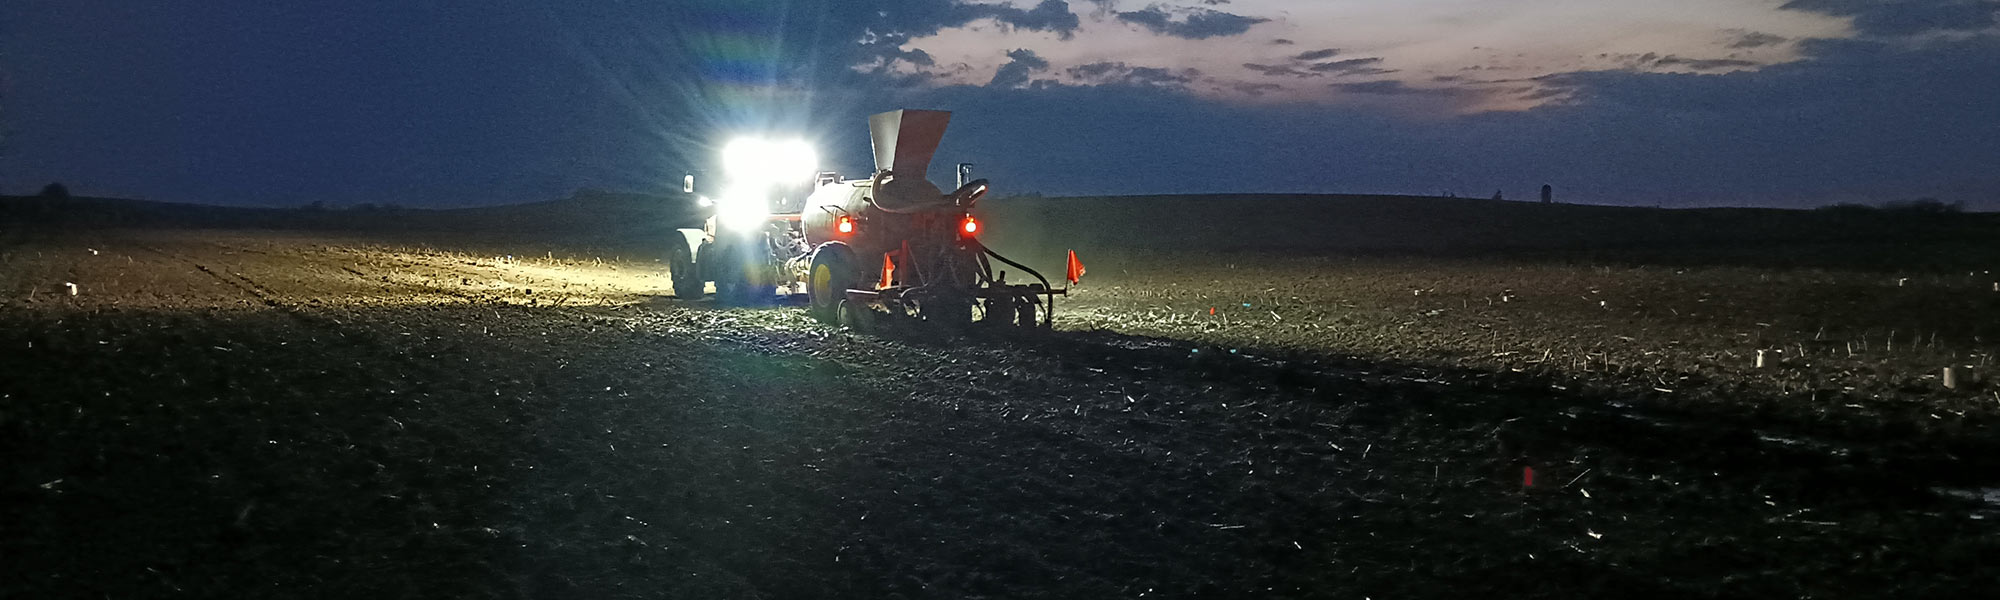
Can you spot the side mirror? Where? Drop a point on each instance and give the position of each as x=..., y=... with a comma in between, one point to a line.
x=687, y=184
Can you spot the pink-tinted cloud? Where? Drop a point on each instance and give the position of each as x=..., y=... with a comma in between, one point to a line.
x=1264, y=51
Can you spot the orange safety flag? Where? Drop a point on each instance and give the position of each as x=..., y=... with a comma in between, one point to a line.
x=888, y=271
x=1075, y=268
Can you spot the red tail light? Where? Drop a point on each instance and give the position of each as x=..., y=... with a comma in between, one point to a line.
x=971, y=226
x=844, y=224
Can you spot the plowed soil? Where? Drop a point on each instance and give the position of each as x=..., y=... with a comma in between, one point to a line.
x=245, y=414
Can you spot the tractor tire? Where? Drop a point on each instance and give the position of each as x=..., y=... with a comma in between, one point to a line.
x=735, y=289
x=996, y=312
x=688, y=284
x=708, y=262
x=1025, y=317
x=724, y=262
x=728, y=291
x=855, y=316
x=827, y=281
x=951, y=314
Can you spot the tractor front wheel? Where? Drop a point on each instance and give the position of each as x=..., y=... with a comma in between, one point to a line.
x=827, y=281
x=688, y=284
x=736, y=278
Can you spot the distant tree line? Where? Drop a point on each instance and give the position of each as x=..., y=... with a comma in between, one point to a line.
x=322, y=206
x=1919, y=206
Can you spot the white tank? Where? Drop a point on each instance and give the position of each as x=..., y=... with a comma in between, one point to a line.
x=883, y=209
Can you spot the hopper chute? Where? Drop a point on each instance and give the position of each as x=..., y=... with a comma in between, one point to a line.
x=905, y=140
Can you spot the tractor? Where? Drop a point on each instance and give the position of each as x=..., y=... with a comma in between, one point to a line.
x=867, y=252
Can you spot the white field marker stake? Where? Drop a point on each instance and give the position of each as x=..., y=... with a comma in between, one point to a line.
x=1950, y=378
x=72, y=288
x=1760, y=359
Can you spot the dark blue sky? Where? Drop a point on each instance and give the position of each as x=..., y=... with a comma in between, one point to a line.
x=444, y=103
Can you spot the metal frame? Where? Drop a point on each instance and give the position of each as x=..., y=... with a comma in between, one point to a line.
x=986, y=287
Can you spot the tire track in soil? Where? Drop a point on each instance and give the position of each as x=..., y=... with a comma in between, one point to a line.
x=932, y=458
x=323, y=261
x=319, y=259
x=241, y=283
x=1524, y=422
x=1129, y=362
x=359, y=337
x=969, y=463
x=557, y=317
x=1178, y=475
x=440, y=271
x=12, y=238
x=1186, y=458
x=919, y=451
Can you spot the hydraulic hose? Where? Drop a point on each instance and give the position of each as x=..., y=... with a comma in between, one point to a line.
x=1049, y=312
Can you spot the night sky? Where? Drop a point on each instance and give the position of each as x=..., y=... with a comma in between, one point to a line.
x=443, y=103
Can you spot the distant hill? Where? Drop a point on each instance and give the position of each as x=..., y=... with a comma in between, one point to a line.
x=1032, y=228
x=582, y=212
x=1319, y=224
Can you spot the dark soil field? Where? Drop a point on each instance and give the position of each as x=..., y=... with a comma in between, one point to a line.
x=1329, y=400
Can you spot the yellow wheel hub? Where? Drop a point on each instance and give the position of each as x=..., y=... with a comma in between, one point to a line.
x=822, y=282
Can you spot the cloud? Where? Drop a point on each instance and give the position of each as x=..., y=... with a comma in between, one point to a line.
x=1118, y=73
x=1754, y=39
x=917, y=56
x=1544, y=94
x=1282, y=42
x=880, y=53
x=1301, y=70
x=1907, y=17
x=1653, y=60
x=1352, y=66
x=1021, y=65
x=1317, y=54
x=1856, y=120
x=1194, y=24
x=1279, y=70
x=1254, y=89
x=920, y=18
x=1860, y=119
x=1707, y=64
x=1868, y=90
x=1391, y=87
x=1049, y=15
x=1848, y=117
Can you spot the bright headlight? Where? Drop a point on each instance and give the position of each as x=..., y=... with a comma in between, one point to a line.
x=760, y=162
x=795, y=159
x=742, y=209
x=758, y=169
x=743, y=158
